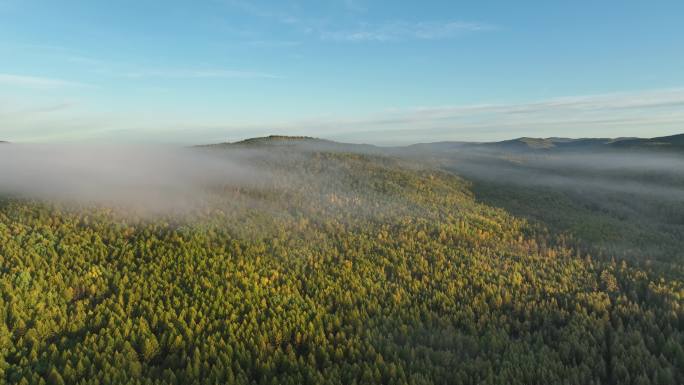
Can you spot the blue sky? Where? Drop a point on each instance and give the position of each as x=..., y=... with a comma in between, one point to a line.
x=383, y=72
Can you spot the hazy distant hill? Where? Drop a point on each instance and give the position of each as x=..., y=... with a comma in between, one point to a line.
x=527, y=144
x=281, y=140
x=548, y=144
x=300, y=142
x=673, y=142
x=524, y=144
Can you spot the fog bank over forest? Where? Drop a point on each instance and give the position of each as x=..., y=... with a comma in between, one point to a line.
x=152, y=177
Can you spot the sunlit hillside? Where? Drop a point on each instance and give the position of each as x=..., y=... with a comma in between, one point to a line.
x=340, y=268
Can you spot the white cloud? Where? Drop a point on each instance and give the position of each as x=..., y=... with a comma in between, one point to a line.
x=36, y=82
x=400, y=30
x=644, y=113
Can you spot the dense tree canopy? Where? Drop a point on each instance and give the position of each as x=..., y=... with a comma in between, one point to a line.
x=342, y=269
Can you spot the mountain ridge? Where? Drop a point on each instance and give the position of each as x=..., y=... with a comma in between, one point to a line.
x=522, y=144
x=674, y=142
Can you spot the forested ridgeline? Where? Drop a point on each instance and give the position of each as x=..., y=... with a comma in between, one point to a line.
x=623, y=204
x=341, y=269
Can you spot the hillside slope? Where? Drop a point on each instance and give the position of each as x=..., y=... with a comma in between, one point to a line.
x=672, y=143
x=551, y=145
x=340, y=268
x=618, y=197
x=298, y=143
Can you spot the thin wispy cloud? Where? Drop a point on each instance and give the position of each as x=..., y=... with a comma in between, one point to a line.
x=623, y=114
x=256, y=10
x=401, y=30
x=273, y=43
x=200, y=74
x=324, y=29
x=36, y=81
x=649, y=99
x=616, y=114
x=355, y=5
x=10, y=110
x=619, y=114
x=107, y=66
x=136, y=70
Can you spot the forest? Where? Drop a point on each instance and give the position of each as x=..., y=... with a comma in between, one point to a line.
x=621, y=198
x=339, y=266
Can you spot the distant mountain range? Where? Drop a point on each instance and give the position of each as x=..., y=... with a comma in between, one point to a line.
x=674, y=142
x=301, y=142
x=525, y=144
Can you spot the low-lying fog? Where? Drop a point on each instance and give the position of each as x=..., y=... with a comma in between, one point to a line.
x=173, y=178
x=148, y=177
x=639, y=173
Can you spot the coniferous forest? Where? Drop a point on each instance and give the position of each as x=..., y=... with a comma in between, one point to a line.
x=335, y=267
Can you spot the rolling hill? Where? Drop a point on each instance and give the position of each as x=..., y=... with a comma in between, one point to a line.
x=338, y=268
x=673, y=142
x=300, y=143
x=527, y=144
